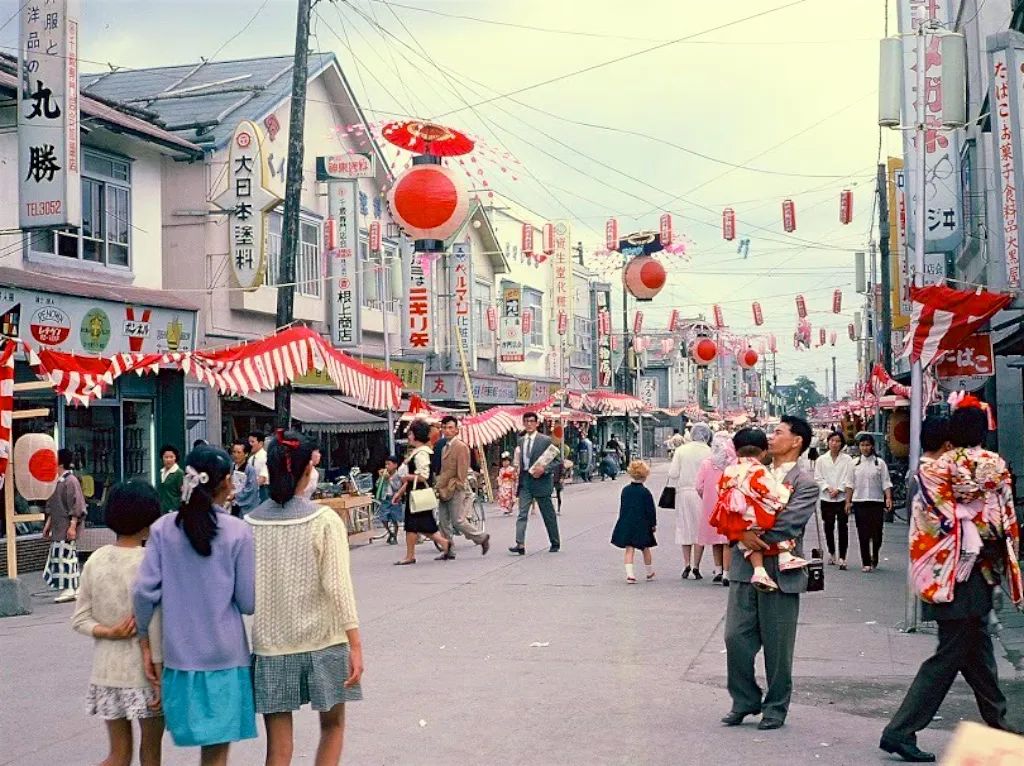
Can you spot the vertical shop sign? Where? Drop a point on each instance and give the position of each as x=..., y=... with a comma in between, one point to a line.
x=343, y=262
x=1006, y=55
x=462, y=297
x=49, y=155
x=561, y=263
x=418, y=314
x=604, y=339
x=511, y=345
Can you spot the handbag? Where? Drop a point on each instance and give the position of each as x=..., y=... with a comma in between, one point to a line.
x=816, y=564
x=421, y=500
x=668, y=497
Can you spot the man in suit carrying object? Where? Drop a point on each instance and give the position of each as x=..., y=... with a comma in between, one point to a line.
x=453, y=492
x=755, y=620
x=536, y=466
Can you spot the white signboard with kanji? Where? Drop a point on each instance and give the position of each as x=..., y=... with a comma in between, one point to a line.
x=511, y=343
x=462, y=297
x=648, y=390
x=419, y=335
x=49, y=153
x=561, y=264
x=343, y=269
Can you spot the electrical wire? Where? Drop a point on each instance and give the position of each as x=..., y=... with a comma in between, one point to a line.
x=240, y=32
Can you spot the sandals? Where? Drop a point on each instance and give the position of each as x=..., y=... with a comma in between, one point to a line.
x=405, y=562
x=631, y=580
x=650, y=576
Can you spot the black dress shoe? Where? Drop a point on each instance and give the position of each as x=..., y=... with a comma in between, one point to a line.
x=517, y=550
x=734, y=718
x=554, y=549
x=697, y=575
x=485, y=545
x=717, y=577
x=908, y=751
x=767, y=724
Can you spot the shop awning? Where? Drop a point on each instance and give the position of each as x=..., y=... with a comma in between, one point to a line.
x=324, y=413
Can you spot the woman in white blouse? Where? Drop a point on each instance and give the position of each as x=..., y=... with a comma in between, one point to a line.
x=831, y=471
x=869, y=494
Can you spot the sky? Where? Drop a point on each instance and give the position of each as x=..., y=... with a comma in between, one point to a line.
x=678, y=93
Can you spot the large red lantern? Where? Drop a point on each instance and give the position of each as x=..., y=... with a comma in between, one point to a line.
x=35, y=466
x=788, y=216
x=747, y=359
x=429, y=203
x=729, y=224
x=704, y=351
x=644, y=276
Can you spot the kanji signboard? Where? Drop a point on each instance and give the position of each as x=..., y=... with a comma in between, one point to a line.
x=49, y=154
x=419, y=334
x=1006, y=56
x=345, y=166
x=511, y=344
x=343, y=262
x=968, y=367
x=561, y=263
x=462, y=297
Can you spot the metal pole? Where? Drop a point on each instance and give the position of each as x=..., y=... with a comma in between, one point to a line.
x=885, y=264
x=626, y=372
x=292, y=198
x=385, y=280
x=835, y=388
x=873, y=334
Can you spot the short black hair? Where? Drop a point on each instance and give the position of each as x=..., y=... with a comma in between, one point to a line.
x=868, y=438
x=934, y=433
x=199, y=443
x=172, y=449
x=243, y=444
x=397, y=460
x=968, y=427
x=530, y=416
x=449, y=419
x=65, y=458
x=750, y=437
x=799, y=427
x=131, y=507
x=835, y=435
x=420, y=430
x=258, y=436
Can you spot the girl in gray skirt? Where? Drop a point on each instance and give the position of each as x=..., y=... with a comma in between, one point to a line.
x=305, y=635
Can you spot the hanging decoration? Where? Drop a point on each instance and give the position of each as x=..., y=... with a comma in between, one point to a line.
x=942, y=319
x=492, y=319
x=667, y=344
x=429, y=203
x=644, y=277
x=611, y=235
x=747, y=359
x=704, y=351
x=802, y=336
x=832, y=338
x=773, y=345
x=638, y=322
x=743, y=248
x=673, y=320
x=427, y=138
x=7, y=352
x=801, y=307
x=563, y=322
x=35, y=466
x=788, y=216
x=851, y=331
x=728, y=224
x=837, y=301
x=526, y=246
x=548, y=239
x=758, y=316
x=719, y=317
x=821, y=336
x=845, y=206
x=665, y=229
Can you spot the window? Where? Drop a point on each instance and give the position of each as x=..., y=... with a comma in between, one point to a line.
x=583, y=344
x=372, y=279
x=106, y=216
x=532, y=302
x=482, y=300
x=308, y=265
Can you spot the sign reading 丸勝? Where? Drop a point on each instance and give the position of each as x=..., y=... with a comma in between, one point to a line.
x=511, y=343
x=462, y=297
x=49, y=153
x=343, y=211
x=248, y=199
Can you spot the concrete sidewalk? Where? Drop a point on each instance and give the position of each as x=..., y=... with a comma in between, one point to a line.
x=624, y=674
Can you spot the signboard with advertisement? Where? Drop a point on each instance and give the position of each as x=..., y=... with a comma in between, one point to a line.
x=419, y=334
x=451, y=387
x=410, y=372
x=346, y=166
x=900, y=293
x=561, y=265
x=49, y=152
x=461, y=289
x=511, y=343
x=535, y=391
x=604, y=371
x=648, y=390
x=343, y=264
x=71, y=323
x=969, y=367
x=1005, y=58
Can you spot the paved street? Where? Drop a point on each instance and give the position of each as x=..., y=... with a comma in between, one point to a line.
x=627, y=674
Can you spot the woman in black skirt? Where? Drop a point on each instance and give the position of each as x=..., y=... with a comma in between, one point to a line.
x=638, y=519
x=422, y=523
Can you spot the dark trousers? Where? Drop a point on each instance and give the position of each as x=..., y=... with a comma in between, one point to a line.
x=755, y=621
x=832, y=512
x=869, y=519
x=964, y=647
x=547, y=512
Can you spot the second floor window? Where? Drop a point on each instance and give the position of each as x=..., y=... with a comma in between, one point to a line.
x=105, y=236
x=484, y=338
x=309, y=260
x=532, y=302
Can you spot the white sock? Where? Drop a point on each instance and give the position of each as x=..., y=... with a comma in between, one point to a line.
x=629, y=571
x=785, y=556
x=760, y=571
x=649, y=568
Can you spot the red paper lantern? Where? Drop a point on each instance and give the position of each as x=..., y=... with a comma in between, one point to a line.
x=611, y=235
x=801, y=307
x=644, y=276
x=758, y=316
x=673, y=320
x=845, y=206
x=429, y=203
x=851, y=331
x=638, y=322
x=719, y=318
x=492, y=318
x=772, y=343
x=35, y=466
x=527, y=242
x=747, y=359
x=563, y=322
x=729, y=224
x=374, y=236
x=704, y=351
x=832, y=338
x=548, y=239
x=788, y=216
x=821, y=336
x=527, y=322
x=837, y=302
x=665, y=229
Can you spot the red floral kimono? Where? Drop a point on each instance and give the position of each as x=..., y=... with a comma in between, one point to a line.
x=964, y=501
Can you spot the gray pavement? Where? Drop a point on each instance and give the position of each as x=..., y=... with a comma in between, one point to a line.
x=630, y=674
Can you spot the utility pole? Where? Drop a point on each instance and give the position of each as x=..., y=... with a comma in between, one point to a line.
x=835, y=388
x=293, y=197
x=627, y=371
x=884, y=264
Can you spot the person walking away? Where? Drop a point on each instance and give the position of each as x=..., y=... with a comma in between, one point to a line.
x=453, y=492
x=305, y=634
x=683, y=473
x=963, y=544
x=244, y=480
x=119, y=691
x=831, y=471
x=65, y=515
x=585, y=458
x=638, y=521
x=506, y=484
x=869, y=494
x=755, y=619
x=258, y=459
x=749, y=498
x=418, y=475
x=558, y=474
x=392, y=477
x=170, y=479
x=722, y=454
x=535, y=458
x=199, y=568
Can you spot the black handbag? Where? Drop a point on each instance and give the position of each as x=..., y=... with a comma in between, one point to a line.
x=668, y=497
x=816, y=564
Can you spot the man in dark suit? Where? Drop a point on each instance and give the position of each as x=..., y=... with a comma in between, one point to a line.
x=756, y=619
x=536, y=483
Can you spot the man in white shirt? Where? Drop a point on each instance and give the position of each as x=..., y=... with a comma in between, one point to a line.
x=831, y=471
x=258, y=460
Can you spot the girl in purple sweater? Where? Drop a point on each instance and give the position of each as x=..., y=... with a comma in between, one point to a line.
x=200, y=568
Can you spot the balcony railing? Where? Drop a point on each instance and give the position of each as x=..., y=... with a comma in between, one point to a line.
x=308, y=266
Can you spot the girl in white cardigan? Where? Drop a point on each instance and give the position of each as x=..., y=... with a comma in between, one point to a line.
x=305, y=632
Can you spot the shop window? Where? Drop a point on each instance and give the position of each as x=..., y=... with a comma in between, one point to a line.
x=532, y=303
x=309, y=261
x=105, y=236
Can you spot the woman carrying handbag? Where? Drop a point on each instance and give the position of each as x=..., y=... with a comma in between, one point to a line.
x=420, y=500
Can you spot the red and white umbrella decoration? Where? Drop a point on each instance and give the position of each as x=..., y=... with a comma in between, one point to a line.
x=427, y=138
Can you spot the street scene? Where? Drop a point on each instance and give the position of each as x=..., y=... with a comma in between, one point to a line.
x=455, y=381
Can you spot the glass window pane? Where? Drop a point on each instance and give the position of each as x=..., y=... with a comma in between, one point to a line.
x=117, y=255
x=42, y=241
x=67, y=245
x=92, y=250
